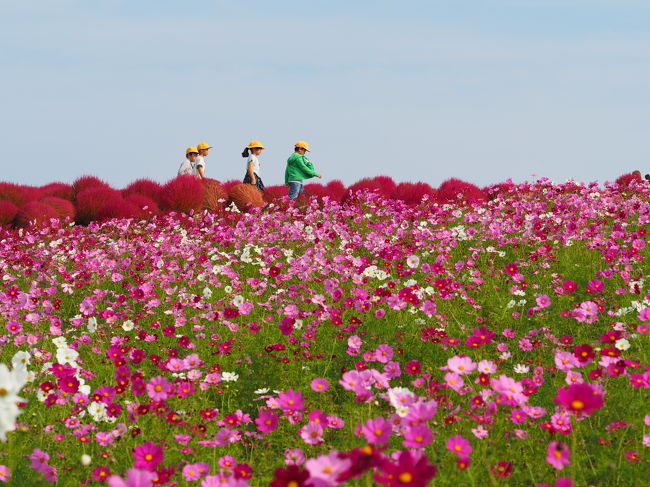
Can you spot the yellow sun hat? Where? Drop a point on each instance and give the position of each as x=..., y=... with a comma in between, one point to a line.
x=255, y=144
x=203, y=145
x=189, y=150
x=301, y=144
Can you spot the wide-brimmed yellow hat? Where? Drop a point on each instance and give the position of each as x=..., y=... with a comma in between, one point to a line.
x=203, y=145
x=301, y=144
x=189, y=150
x=255, y=144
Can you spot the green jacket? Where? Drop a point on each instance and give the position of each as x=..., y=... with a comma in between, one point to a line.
x=299, y=168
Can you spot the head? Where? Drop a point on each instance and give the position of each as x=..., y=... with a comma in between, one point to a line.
x=254, y=147
x=203, y=148
x=301, y=147
x=191, y=153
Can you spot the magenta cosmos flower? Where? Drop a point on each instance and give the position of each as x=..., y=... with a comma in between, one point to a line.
x=581, y=399
x=267, y=421
x=460, y=446
x=291, y=400
x=377, y=431
x=148, y=456
x=406, y=472
x=134, y=478
x=320, y=384
x=159, y=388
x=558, y=455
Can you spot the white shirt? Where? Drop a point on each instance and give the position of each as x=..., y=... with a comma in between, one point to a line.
x=186, y=168
x=199, y=162
x=256, y=164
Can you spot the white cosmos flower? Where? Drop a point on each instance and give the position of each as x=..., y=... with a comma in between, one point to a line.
x=263, y=390
x=413, y=261
x=92, y=324
x=238, y=300
x=128, y=325
x=21, y=359
x=229, y=376
x=60, y=342
x=11, y=382
x=622, y=344
x=67, y=356
x=521, y=368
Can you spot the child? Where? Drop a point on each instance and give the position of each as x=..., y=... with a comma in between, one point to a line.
x=298, y=169
x=199, y=165
x=187, y=167
x=252, y=152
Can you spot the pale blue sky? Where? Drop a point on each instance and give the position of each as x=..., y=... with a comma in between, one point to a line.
x=482, y=90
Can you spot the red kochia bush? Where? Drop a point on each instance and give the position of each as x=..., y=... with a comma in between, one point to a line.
x=627, y=179
x=145, y=205
x=32, y=192
x=14, y=193
x=382, y=185
x=334, y=190
x=34, y=212
x=216, y=196
x=59, y=190
x=146, y=187
x=88, y=182
x=183, y=193
x=272, y=193
x=89, y=201
x=117, y=207
x=64, y=208
x=231, y=183
x=8, y=211
x=413, y=193
x=246, y=197
x=455, y=191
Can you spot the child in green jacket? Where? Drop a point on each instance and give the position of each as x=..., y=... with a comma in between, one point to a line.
x=298, y=169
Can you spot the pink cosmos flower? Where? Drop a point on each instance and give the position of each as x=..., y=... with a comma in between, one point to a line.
x=320, y=384
x=558, y=455
x=312, y=433
x=377, y=431
x=148, y=456
x=454, y=381
x=460, y=446
x=39, y=459
x=291, y=400
x=580, y=399
x=5, y=473
x=417, y=436
x=159, y=388
x=134, y=478
x=461, y=364
x=324, y=470
x=294, y=456
x=194, y=471
x=267, y=421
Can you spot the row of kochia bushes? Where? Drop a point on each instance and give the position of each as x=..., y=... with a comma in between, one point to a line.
x=91, y=199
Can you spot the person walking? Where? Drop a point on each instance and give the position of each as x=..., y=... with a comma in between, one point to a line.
x=252, y=153
x=299, y=168
x=187, y=167
x=199, y=165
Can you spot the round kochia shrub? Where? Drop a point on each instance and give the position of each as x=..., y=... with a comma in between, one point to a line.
x=117, y=207
x=382, y=185
x=277, y=192
x=630, y=178
x=14, y=193
x=246, y=197
x=88, y=182
x=89, y=202
x=58, y=190
x=457, y=191
x=145, y=205
x=8, y=211
x=146, y=187
x=334, y=190
x=183, y=193
x=64, y=208
x=413, y=193
x=34, y=213
x=216, y=196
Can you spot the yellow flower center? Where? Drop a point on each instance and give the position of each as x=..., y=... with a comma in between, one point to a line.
x=405, y=478
x=577, y=404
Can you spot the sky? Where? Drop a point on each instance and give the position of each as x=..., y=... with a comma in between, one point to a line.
x=419, y=90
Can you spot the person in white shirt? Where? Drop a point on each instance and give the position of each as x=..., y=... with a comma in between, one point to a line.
x=199, y=165
x=252, y=153
x=187, y=167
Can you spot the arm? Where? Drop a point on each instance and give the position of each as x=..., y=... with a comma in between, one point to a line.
x=251, y=173
x=307, y=167
x=201, y=171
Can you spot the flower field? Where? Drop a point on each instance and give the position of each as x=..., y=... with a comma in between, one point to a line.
x=366, y=341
